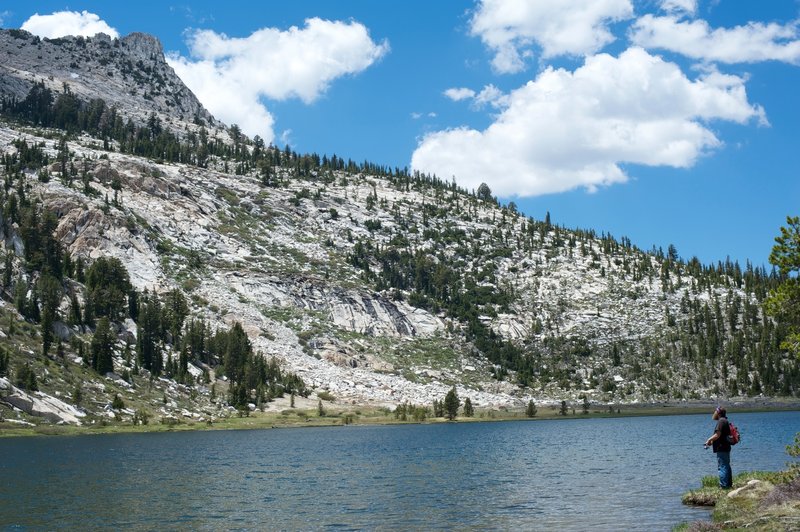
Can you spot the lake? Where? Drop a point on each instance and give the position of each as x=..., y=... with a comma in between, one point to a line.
x=570, y=474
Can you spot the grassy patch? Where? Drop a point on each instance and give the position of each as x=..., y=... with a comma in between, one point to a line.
x=326, y=396
x=227, y=195
x=768, y=501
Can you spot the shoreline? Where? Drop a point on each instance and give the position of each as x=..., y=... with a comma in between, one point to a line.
x=353, y=416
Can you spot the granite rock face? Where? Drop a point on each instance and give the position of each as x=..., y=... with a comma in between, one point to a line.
x=280, y=266
x=40, y=404
x=130, y=74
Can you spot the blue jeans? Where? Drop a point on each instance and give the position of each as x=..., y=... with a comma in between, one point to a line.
x=725, y=473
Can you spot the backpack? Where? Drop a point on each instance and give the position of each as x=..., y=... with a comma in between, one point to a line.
x=733, y=434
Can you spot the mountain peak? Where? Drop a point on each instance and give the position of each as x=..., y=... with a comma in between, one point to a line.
x=144, y=45
x=130, y=74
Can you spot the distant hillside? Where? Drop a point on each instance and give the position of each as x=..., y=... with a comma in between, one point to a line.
x=362, y=284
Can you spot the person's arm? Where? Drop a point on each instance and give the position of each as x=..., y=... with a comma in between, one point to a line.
x=714, y=437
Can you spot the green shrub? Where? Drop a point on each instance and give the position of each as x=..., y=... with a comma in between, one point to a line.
x=117, y=403
x=326, y=396
x=26, y=378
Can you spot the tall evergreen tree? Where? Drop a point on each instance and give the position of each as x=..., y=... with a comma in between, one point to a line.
x=784, y=301
x=148, y=335
x=451, y=404
x=237, y=352
x=4, y=358
x=174, y=313
x=102, y=347
x=50, y=294
x=469, y=411
x=107, y=285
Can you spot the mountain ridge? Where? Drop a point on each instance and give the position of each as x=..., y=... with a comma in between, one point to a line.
x=129, y=73
x=374, y=285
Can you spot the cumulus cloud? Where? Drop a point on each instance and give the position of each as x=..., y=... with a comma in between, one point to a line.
x=566, y=130
x=750, y=43
x=230, y=76
x=688, y=7
x=63, y=23
x=567, y=27
x=459, y=93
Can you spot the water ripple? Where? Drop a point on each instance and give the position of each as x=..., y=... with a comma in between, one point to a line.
x=599, y=474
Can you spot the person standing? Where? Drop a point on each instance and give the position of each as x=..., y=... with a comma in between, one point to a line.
x=722, y=448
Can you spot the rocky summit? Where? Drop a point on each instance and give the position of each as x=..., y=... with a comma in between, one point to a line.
x=129, y=74
x=373, y=285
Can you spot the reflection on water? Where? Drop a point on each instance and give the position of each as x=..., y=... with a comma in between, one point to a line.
x=572, y=474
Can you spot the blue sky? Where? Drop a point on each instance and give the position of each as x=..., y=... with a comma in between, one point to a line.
x=666, y=121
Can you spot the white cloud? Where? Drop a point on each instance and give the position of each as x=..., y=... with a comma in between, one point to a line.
x=567, y=27
x=491, y=95
x=750, y=43
x=231, y=75
x=460, y=93
x=63, y=23
x=688, y=7
x=566, y=130
x=417, y=116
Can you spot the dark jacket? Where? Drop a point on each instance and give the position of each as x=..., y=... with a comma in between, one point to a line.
x=721, y=444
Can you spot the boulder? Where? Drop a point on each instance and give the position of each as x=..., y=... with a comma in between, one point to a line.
x=42, y=405
x=754, y=489
x=62, y=330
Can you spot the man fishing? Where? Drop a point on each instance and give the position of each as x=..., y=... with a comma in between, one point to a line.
x=722, y=448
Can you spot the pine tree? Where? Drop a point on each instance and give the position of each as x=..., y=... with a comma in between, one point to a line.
x=102, y=345
x=149, y=333
x=107, y=285
x=77, y=395
x=75, y=315
x=50, y=293
x=117, y=403
x=530, y=410
x=451, y=404
x=8, y=264
x=26, y=378
x=174, y=312
x=468, y=410
x=784, y=301
x=438, y=408
x=237, y=353
x=3, y=361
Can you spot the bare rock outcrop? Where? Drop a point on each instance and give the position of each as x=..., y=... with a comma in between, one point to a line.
x=40, y=404
x=129, y=74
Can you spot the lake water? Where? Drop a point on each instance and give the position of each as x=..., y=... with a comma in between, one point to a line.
x=571, y=474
